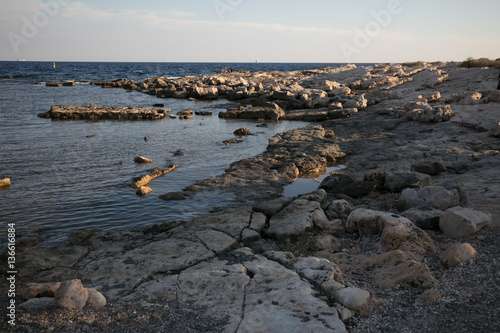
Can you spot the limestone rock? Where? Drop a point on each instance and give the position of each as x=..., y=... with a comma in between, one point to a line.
x=71, y=295
x=344, y=184
x=140, y=159
x=206, y=92
x=396, y=181
x=331, y=287
x=428, y=296
x=457, y=253
x=258, y=222
x=335, y=106
x=284, y=258
x=33, y=290
x=393, y=231
x=340, y=114
x=353, y=298
x=242, y=132
x=461, y=222
x=144, y=191
x=436, y=197
x=495, y=130
x=271, y=305
x=319, y=270
x=423, y=218
x=249, y=236
x=5, y=182
x=295, y=219
x=339, y=209
x=39, y=304
x=357, y=102
x=217, y=241
x=430, y=166
x=96, y=300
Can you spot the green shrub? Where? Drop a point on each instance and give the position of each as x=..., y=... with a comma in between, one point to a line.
x=481, y=62
x=414, y=64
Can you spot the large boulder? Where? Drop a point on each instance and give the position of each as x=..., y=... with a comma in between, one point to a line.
x=457, y=253
x=461, y=222
x=436, y=197
x=424, y=218
x=398, y=180
x=206, y=92
x=392, y=231
x=71, y=295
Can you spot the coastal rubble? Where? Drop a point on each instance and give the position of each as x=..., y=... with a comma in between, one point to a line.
x=352, y=256
x=95, y=112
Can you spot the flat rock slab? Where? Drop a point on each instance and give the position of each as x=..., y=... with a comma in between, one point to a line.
x=95, y=112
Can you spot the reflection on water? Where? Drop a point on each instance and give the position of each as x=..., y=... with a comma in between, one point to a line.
x=63, y=180
x=308, y=185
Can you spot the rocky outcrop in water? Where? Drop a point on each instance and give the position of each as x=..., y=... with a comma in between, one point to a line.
x=94, y=112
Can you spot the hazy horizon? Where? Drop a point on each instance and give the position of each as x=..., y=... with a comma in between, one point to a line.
x=239, y=31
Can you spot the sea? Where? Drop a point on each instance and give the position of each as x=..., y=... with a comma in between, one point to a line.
x=68, y=176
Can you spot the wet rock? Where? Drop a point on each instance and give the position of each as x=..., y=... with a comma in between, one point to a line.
x=174, y=196
x=96, y=300
x=95, y=112
x=396, y=181
x=436, y=197
x=430, y=166
x=187, y=112
x=457, y=253
x=144, y=191
x=231, y=141
x=148, y=178
x=204, y=113
x=461, y=222
x=71, y=295
x=335, y=106
x=242, y=132
x=140, y=159
x=424, y=218
x=5, y=182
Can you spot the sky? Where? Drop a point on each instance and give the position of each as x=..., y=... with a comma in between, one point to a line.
x=311, y=31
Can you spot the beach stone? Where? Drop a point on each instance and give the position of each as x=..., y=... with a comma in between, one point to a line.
x=495, y=130
x=331, y=287
x=39, y=304
x=461, y=222
x=318, y=270
x=96, y=300
x=5, y=182
x=436, y=197
x=391, y=230
x=396, y=181
x=339, y=209
x=457, y=253
x=430, y=166
x=423, y=218
x=174, y=196
x=242, y=132
x=335, y=106
x=428, y=296
x=33, y=290
x=295, y=219
x=140, y=159
x=144, y=191
x=352, y=298
x=345, y=314
x=450, y=184
x=356, y=102
x=71, y=295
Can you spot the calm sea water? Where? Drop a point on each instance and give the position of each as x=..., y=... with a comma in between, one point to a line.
x=63, y=181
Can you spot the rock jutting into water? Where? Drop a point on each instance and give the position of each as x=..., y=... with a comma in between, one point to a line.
x=350, y=256
x=95, y=112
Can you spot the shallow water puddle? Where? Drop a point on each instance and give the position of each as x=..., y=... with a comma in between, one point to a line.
x=308, y=185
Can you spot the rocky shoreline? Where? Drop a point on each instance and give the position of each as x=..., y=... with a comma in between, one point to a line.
x=374, y=249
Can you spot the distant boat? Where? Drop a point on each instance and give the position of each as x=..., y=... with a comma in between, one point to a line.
x=257, y=61
x=54, y=65
x=21, y=60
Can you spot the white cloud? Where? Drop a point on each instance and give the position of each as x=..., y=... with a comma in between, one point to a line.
x=180, y=13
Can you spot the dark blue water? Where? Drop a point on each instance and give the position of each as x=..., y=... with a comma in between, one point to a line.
x=63, y=181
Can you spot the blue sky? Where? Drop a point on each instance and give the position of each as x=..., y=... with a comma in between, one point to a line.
x=242, y=30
